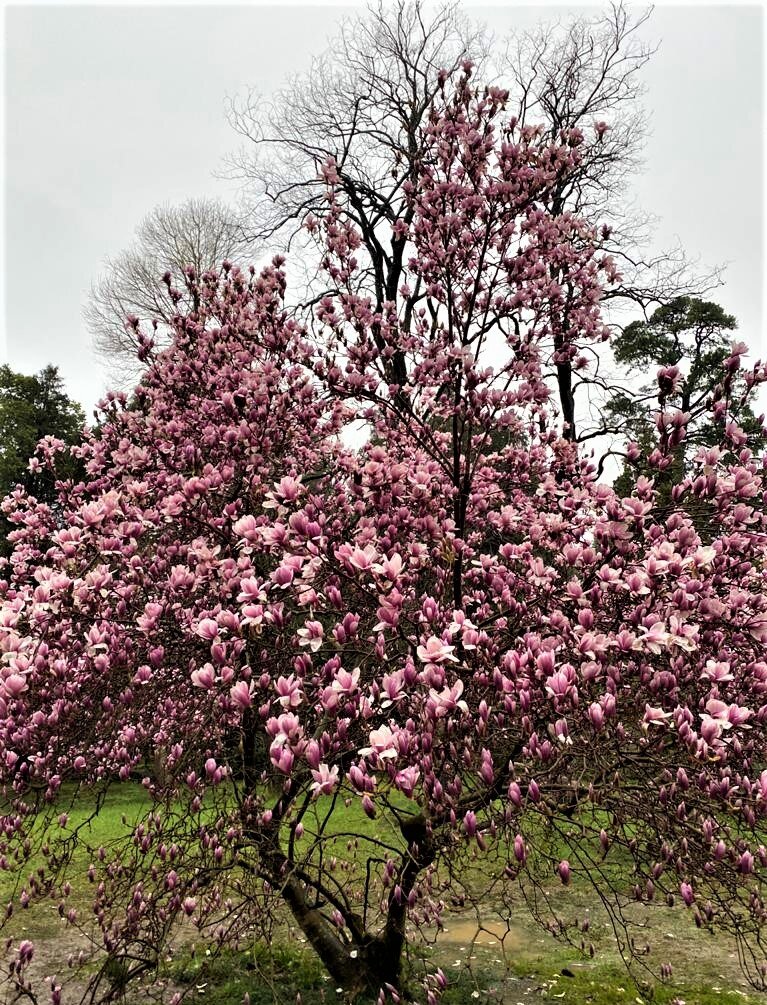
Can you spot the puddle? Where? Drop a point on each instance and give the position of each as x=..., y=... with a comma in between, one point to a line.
x=494, y=933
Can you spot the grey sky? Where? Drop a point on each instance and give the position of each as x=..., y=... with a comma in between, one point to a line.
x=111, y=110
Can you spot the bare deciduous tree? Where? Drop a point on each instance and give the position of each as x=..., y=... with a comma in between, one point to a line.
x=586, y=74
x=198, y=234
x=364, y=107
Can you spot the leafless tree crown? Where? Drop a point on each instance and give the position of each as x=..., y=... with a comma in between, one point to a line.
x=365, y=103
x=198, y=234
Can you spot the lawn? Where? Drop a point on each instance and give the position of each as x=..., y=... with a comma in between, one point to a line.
x=511, y=960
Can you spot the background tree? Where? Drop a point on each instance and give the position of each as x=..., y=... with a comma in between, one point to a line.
x=688, y=340
x=198, y=234
x=470, y=639
x=30, y=409
x=365, y=105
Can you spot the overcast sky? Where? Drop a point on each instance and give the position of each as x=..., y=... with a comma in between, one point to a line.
x=112, y=110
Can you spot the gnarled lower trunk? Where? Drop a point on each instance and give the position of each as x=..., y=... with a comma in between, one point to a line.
x=336, y=957
x=365, y=965
x=368, y=961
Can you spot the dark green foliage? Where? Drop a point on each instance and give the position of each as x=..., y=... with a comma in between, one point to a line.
x=695, y=336
x=665, y=340
x=31, y=408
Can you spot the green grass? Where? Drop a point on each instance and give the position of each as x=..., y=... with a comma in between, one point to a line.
x=123, y=805
x=555, y=976
x=272, y=974
x=536, y=969
x=276, y=976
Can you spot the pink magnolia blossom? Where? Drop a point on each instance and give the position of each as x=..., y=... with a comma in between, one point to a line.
x=311, y=635
x=654, y=716
x=363, y=558
x=407, y=779
x=436, y=651
x=448, y=700
x=289, y=692
x=382, y=744
x=14, y=685
x=241, y=694
x=390, y=568
x=325, y=780
x=204, y=677
x=207, y=629
x=288, y=489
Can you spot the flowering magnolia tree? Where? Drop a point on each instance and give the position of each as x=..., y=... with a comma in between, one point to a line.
x=455, y=631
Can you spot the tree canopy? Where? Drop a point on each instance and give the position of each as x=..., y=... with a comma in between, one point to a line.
x=690, y=340
x=32, y=408
x=198, y=234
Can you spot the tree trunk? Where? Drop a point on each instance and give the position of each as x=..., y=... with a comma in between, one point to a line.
x=368, y=962
x=567, y=400
x=376, y=961
x=336, y=958
x=363, y=962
